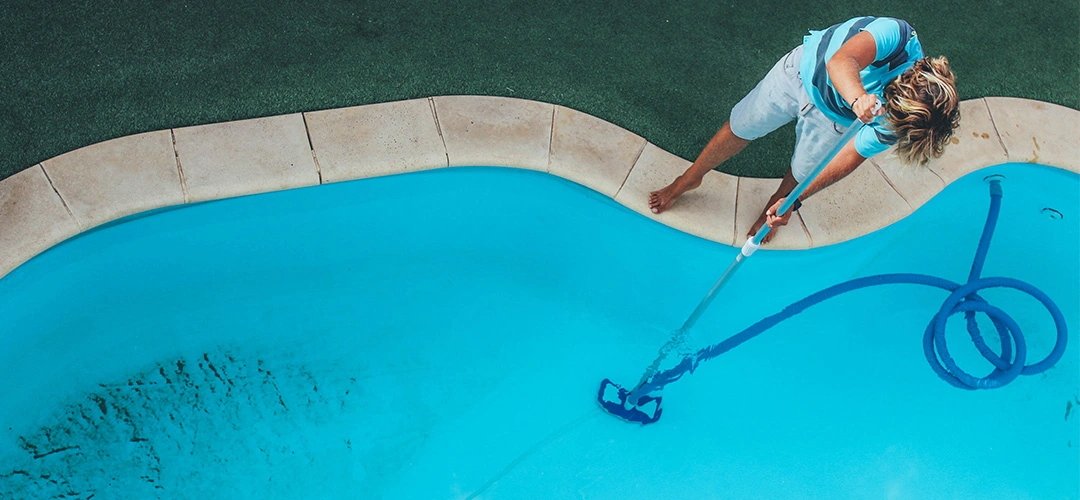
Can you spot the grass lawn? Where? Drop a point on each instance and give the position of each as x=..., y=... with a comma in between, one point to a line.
x=80, y=72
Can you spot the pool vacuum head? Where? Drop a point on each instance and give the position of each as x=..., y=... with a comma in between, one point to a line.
x=613, y=399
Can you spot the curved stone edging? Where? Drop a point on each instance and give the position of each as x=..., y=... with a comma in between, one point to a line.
x=73, y=192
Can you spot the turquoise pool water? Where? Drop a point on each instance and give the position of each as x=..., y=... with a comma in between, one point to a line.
x=441, y=335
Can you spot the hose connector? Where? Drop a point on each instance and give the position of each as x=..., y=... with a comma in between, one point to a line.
x=995, y=183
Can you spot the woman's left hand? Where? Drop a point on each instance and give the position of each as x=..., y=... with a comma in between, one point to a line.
x=774, y=221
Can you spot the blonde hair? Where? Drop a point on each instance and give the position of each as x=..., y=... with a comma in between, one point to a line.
x=923, y=109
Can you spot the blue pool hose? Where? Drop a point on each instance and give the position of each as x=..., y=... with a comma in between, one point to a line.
x=962, y=298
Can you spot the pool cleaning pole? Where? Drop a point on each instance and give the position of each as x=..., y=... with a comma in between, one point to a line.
x=754, y=242
x=640, y=392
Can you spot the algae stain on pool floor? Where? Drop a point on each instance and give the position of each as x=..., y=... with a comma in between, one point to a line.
x=190, y=427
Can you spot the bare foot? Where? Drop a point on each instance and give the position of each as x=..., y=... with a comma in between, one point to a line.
x=663, y=199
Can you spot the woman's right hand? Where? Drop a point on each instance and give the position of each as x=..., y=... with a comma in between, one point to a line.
x=867, y=107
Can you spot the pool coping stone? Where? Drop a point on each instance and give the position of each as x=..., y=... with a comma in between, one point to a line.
x=370, y=141
x=116, y=178
x=592, y=152
x=33, y=218
x=1037, y=132
x=495, y=131
x=78, y=190
x=224, y=160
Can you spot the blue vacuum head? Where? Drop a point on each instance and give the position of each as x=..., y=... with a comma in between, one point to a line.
x=613, y=399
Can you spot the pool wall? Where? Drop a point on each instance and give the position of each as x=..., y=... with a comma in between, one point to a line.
x=76, y=191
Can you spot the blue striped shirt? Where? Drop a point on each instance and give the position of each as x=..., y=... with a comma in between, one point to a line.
x=897, y=50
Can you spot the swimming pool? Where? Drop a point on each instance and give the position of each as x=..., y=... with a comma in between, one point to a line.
x=441, y=335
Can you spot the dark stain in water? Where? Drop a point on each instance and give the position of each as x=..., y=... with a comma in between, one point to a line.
x=112, y=442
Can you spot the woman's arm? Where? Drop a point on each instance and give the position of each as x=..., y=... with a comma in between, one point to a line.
x=844, y=67
x=844, y=163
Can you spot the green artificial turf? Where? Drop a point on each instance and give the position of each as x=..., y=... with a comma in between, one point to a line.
x=76, y=73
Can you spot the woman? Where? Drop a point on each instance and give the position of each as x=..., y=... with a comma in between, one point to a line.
x=836, y=76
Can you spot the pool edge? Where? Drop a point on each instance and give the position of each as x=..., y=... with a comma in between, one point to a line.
x=79, y=190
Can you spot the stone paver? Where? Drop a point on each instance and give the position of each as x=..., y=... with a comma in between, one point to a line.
x=495, y=131
x=117, y=178
x=1037, y=132
x=375, y=140
x=753, y=195
x=975, y=144
x=708, y=211
x=32, y=218
x=858, y=204
x=591, y=151
x=245, y=157
x=916, y=184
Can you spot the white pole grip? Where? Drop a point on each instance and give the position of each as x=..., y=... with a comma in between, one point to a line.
x=749, y=247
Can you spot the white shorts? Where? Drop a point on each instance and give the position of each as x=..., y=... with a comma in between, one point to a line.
x=776, y=100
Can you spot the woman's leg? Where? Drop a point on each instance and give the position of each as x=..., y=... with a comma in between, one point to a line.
x=815, y=136
x=773, y=103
